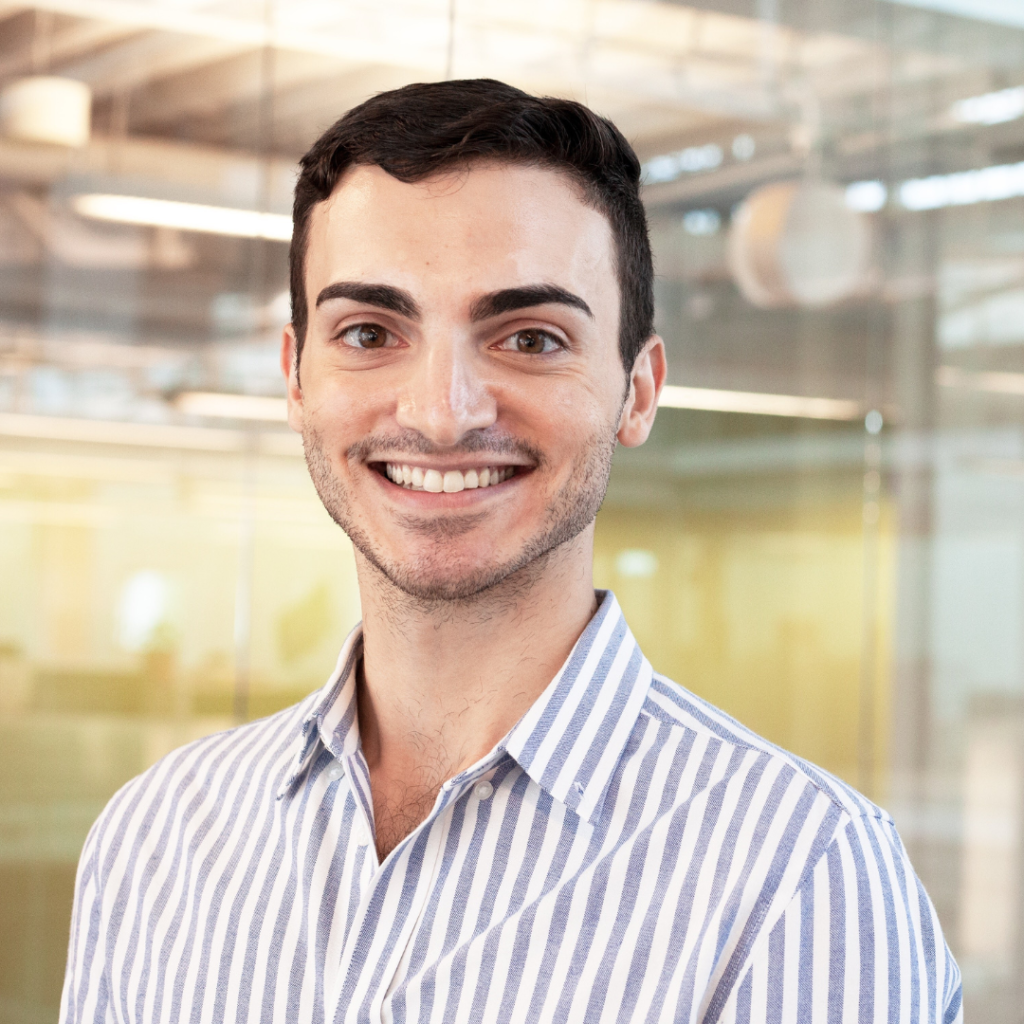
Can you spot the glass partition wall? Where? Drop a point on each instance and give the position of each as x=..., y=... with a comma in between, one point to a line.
x=824, y=536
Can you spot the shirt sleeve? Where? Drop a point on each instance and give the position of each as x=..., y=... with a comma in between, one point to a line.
x=85, y=999
x=858, y=943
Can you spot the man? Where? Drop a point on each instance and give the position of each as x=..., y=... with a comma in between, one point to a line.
x=494, y=810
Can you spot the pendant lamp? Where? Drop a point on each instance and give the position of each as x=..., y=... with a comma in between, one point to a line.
x=797, y=243
x=48, y=109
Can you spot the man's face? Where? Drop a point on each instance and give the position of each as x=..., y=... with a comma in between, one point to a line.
x=461, y=387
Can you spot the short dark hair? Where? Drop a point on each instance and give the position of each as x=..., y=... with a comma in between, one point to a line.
x=420, y=130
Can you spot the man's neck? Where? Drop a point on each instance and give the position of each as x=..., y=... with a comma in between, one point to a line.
x=441, y=684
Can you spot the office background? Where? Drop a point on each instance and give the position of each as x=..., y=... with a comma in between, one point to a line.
x=824, y=536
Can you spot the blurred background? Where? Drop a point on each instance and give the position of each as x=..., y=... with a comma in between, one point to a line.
x=824, y=536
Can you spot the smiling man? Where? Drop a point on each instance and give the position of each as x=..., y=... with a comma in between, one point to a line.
x=494, y=810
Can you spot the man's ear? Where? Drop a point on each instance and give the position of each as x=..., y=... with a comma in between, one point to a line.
x=645, y=383
x=290, y=369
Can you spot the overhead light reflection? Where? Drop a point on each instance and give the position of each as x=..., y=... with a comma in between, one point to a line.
x=712, y=400
x=999, y=382
x=987, y=184
x=702, y=222
x=991, y=108
x=219, y=405
x=866, y=196
x=167, y=213
x=670, y=166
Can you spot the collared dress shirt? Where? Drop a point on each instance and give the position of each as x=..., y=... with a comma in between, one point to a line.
x=627, y=853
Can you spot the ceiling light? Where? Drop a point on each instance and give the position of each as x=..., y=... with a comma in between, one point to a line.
x=232, y=407
x=712, y=400
x=991, y=108
x=866, y=196
x=670, y=166
x=166, y=213
x=1000, y=382
x=45, y=108
x=701, y=222
x=987, y=184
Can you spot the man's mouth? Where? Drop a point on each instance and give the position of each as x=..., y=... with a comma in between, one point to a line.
x=449, y=481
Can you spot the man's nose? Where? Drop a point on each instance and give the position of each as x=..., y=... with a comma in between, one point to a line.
x=446, y=396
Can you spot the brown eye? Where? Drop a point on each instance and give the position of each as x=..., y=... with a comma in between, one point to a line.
x=533, y=342
x=365, y=336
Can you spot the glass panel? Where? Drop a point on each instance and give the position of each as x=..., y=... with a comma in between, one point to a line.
x=824, y=535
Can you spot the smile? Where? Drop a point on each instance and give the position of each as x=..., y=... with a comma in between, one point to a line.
x=449, y=481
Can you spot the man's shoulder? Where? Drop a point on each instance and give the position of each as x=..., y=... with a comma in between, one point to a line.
x=672, y=704
x=244, y=764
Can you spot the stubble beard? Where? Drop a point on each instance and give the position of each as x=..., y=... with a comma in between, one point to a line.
x=436, y=578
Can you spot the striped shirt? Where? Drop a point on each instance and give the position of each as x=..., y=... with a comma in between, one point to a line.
x=627, y=853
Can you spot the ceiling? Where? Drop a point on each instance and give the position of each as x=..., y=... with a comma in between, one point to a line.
x=213, y=102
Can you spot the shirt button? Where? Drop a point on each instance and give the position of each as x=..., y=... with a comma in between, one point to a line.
x=335, y=772
x=483, y=790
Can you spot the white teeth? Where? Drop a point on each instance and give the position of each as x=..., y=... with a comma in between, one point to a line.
x=449, y=481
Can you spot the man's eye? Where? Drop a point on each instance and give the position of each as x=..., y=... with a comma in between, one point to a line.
x=532, y=342
x=365, y=336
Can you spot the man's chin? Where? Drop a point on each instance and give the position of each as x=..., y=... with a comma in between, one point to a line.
x=446, y=579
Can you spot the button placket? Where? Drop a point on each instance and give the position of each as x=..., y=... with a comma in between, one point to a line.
x=436, y=827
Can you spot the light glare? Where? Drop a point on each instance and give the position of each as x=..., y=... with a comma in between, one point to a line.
x=988, y=184
x=636, y=563
x=701, y=222
x=1000, y=382
x=713, y=400
x=866, y=196
x=991, y=108
x=167, y=213
x=232, y=407
x=670, y=166
x=142, y=608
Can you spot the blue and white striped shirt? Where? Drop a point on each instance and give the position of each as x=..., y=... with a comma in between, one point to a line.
x=626, y=854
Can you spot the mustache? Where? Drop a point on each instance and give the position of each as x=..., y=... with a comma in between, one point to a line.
x=412, y=442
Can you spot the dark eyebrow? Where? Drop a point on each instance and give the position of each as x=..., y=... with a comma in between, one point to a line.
x=383, y=295
x=510, y=299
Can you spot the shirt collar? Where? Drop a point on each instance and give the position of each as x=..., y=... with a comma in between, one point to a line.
x=569, y=742
x=331, y=721
x=572, y=738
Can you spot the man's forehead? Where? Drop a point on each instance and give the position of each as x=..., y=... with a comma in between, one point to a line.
x=372, y=182
x=499, y=223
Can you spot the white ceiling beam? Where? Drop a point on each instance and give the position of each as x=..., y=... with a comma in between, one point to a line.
x=213, y=174
x=242, y=33
x=148, y=57
x=66, y=45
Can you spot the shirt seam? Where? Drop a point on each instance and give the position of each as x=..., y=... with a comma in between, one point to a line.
x=773, y=751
